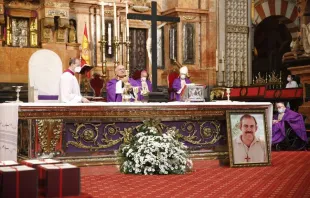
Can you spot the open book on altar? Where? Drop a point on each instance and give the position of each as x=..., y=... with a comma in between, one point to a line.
x=193, y=93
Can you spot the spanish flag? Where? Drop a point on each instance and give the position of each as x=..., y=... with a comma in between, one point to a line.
x=85, y=57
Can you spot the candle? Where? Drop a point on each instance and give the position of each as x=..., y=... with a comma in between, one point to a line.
x=109, y=34
x=234, y=61
x=216, y=61
x=223, y=60
x=115, y=23
x=103, y=27
x=173, y=44
x=127, y=21
x=241, y=69
x=109, y=38
x=118, y=27
x=102, y=18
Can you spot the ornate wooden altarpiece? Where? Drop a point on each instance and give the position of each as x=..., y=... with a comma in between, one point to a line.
x=21, y=22
x=85, y=134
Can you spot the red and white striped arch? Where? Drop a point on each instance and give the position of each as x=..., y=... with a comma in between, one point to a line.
x=285, y=9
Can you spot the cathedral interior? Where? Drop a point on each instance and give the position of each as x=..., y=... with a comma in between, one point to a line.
x=224, y=43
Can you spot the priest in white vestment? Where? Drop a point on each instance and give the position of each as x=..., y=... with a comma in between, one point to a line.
x=69, y=86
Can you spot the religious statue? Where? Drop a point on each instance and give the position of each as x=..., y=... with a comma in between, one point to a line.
x=306, y=37
x=127, y=90
x=149, y=40
x=72, y=31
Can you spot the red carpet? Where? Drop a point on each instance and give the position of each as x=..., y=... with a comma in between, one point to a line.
x=289, y=176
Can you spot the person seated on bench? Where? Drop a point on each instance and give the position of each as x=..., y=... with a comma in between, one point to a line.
x=293, y=119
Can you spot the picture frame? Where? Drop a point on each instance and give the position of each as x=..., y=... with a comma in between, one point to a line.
x=248, y=138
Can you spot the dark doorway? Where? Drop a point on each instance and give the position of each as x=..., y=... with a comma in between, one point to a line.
x=271, y=40
x=137, y=54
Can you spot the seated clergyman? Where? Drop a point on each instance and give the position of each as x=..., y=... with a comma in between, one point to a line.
x=293, y=119
x=180, y=82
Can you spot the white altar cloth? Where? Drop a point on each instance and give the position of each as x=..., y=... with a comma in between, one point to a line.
x=8, y=131
x=9, y=118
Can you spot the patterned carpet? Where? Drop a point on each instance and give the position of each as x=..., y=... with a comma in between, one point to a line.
x=289, y=176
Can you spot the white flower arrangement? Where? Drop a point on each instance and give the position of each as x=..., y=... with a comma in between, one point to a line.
x=150, y=152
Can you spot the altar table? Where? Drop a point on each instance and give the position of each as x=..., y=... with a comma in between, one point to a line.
x=91, y=133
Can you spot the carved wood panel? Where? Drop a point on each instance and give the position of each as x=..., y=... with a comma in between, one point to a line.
x=188, y=43
x=137, y=54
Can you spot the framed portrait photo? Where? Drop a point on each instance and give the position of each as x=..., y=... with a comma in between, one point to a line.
x=248, y=138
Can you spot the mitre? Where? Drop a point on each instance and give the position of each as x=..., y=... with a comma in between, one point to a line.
x=183, y=70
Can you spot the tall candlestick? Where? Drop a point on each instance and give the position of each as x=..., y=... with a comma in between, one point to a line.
x=127, y=21
x=115, y=23
x=216, y=61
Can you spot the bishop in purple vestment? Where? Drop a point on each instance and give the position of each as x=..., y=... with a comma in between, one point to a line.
x=115, y=86
x=179, y=83
x=145, y=85
x=294, y=120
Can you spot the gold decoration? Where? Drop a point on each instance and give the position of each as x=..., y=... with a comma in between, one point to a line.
x=153, y=123
x=206, y=132
x=108, y=12
x=273, y=78
x=34, y=32
x=188, y=18
x=259, y=79
x=26, y=5
x=217, y=93
x=59, y=12
x=140, y=6
x=72, y=33
x=56, y=4
x=82, y=134
x=1, y=9
x=61, y=35
x=48, y=22
x=127, y=135
x=105, y=112
x=49, y=133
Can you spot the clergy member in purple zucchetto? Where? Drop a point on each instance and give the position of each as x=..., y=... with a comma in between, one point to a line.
x=69, y=86
x=293, y=119
x=115, y=86
x=144, y=84
x=179, y=83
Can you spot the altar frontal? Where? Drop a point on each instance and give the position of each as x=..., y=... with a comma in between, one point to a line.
x=91, y=133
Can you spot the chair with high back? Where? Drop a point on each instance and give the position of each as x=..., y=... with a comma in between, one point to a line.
x=96, y=83
x=170, y=78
